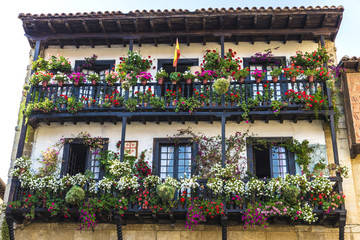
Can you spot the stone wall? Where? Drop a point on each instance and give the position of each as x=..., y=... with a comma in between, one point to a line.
x=62, y=231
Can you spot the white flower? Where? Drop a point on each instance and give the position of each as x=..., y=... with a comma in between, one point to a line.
x=105, y=184
x=191, y=183
x=118, y=168
x=216, y=185
x=172, y=182
x=128, y=183
x=255, y=186
x=152, y=180
x=234, y=186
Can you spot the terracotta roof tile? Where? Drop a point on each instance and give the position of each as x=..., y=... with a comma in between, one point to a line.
x=179, y=11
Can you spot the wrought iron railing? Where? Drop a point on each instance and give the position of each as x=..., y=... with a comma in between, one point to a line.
x=103, y=96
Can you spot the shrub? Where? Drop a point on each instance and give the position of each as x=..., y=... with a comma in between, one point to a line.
x=75, y=195
x=165, y=192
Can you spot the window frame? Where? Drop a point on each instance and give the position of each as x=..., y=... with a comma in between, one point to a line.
x=166, y=141
x=251, y=162
x=66, y=155
x=111, y=63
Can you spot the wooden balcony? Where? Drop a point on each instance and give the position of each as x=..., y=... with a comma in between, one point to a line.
x=136, y=213
x=246, y=101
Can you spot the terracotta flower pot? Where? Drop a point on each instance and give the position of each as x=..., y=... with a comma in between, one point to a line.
x=60, y=84
x=44, y=83
x=275, y=79
x=110, y=83
x=293, y=79
x=241, y=80
x=143, y=82
x=160, y=81
x=311, y=78
x=174, y=82
x=76, y=83
x=205, y=81
x=257, y=80
x=188, y=81
x=93, y=82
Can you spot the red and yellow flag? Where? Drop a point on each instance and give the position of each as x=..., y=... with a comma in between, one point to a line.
x=177, y=53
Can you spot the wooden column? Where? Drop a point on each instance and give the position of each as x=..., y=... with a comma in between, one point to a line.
x=122, y=146
x=222, y=46
x=342, y=217
x=223, y=146
x=131, y=45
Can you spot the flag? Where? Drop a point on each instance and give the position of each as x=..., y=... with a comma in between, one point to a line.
x=177, y=53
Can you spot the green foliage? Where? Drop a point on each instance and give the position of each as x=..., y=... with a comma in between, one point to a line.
x=175, y=76
x=131, y=104
x=221, y=85
x=157, y=102
x=165, y=192
x=5, y=230
x=290, y=194
x=276, y=72
x=75, y=195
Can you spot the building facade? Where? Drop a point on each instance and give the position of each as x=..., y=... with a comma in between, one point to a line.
x=279, y=131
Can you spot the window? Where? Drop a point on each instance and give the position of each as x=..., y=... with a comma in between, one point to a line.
x=182, y=64
x=268, y=66
x=101, y=66
x=270, y=161
x=78, y=158
x=174, y=160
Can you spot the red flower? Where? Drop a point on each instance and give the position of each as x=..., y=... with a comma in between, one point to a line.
x=182, y=200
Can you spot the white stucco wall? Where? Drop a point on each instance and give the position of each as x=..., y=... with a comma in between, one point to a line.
x=193, y=51
x=46, y=136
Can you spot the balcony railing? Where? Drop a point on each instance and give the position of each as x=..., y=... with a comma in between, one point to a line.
x=136, y=211
x=240, y=98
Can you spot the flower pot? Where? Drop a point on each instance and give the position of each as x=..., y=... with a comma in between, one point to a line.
x=60, y=84
x=311, y=78
x=122, y=80
x=293, y=79
x=257, y=80
x=93, y=82
x=76, y=83
x=160, y=81
x=143, y=82
x=275, y=79
x=44, y=83
x=188, y=81
x=241, y=79
x=174, y=82
x=110, y=83
x=205, y=81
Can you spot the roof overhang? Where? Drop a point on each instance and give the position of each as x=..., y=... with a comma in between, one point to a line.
x=200, y=26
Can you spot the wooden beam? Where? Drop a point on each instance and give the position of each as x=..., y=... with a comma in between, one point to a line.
x=306, y=20
x=200, y=33
x=221, y=20
x=255, y=20
x=204, y=23
x=168, y=20
x=152, y=25
x=238, y=18
x=289, y=21
x=104, y=31
x=136, y=25
x=272, y=20
x=324, y=20
x=51, y=27
x=118, y=23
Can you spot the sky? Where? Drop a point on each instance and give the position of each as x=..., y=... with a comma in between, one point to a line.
x=15, y=48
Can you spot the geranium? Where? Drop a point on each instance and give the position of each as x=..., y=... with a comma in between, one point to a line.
x=77, y=77
x=145, y=76
x=258, y=73
x=111, y=77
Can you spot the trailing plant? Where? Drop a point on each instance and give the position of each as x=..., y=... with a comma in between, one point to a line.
x=161, y=73
x=221, y=85
x=175, y=76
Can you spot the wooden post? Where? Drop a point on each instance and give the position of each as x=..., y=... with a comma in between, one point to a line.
x=223, y=159
x=122, y=147
x=222, y=46
x=131, y=45
x=342, y=217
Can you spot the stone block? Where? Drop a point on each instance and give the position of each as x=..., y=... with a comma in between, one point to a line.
x=168, y=235
x=139, y=235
